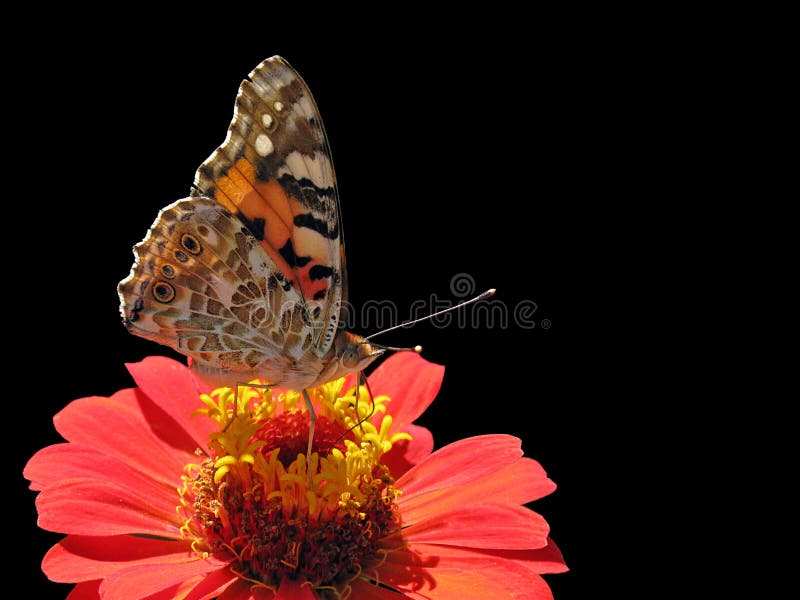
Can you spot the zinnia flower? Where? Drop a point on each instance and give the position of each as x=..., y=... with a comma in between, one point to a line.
x=163, y=496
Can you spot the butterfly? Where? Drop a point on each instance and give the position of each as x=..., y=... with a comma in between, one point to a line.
x=247, y=276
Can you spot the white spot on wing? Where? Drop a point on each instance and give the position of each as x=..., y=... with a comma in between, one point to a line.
x=212, y=238
x=317, y=168
x=264, y=145
x=312, y=243
x=266, y=120
x=278, y=106
x=297, y=165
x=306, y=106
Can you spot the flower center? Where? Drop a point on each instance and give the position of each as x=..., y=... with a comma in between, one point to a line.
x=276, y=534
x=258, y=500
x=289, y=433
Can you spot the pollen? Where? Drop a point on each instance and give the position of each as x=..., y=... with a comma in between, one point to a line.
x=257, y=499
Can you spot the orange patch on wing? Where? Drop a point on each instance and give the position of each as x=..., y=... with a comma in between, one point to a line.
x=256, y=199
x=240, y=192
x=308, y=285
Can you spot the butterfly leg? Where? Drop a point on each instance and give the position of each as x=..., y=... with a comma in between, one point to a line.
x=312, y=422
x=241, y=384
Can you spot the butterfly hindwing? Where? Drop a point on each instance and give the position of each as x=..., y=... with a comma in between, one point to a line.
x=204, y=285
x=274, y=173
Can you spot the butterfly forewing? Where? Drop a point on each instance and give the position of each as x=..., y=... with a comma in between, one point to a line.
x=274, y=172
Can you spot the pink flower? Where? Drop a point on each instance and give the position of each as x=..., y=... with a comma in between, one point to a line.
x=160, y=501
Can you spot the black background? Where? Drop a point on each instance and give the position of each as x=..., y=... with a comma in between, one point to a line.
x=453, y=157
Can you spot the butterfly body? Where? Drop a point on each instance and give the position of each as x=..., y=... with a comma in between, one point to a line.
x=247, y=275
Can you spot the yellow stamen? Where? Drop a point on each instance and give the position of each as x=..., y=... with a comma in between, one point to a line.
x=276, y=512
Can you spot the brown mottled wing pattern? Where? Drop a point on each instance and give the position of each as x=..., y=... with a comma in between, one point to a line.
x=203, y=285
x=274, y=173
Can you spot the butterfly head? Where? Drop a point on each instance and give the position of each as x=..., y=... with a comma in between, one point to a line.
x=354, y=352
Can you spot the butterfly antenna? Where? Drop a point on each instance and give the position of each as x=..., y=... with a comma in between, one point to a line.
x=417, y=348
x=478, y=298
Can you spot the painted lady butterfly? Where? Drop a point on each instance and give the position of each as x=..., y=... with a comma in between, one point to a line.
x=247, y=276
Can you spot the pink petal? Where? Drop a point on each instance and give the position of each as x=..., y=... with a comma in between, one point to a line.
x=84, y=558
x=72, y=461
x=115, y=427
x=540, y=560
x=369, y=591
x=540, y=590
x=238, y=590
x=243, y=590
x=87, y=590
x=294, y=590
x=425, y=579
x=47, y=466
x=405, y=454
x=110, y=474
x=212, y=585
x=87, y=507
x=518, y=483
x=349, y=381
x=140, y=581
x=174, y=389
x=410, y=381
x=177, y=591
x=482, y=526
x=461, y=462
x=199, y=587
